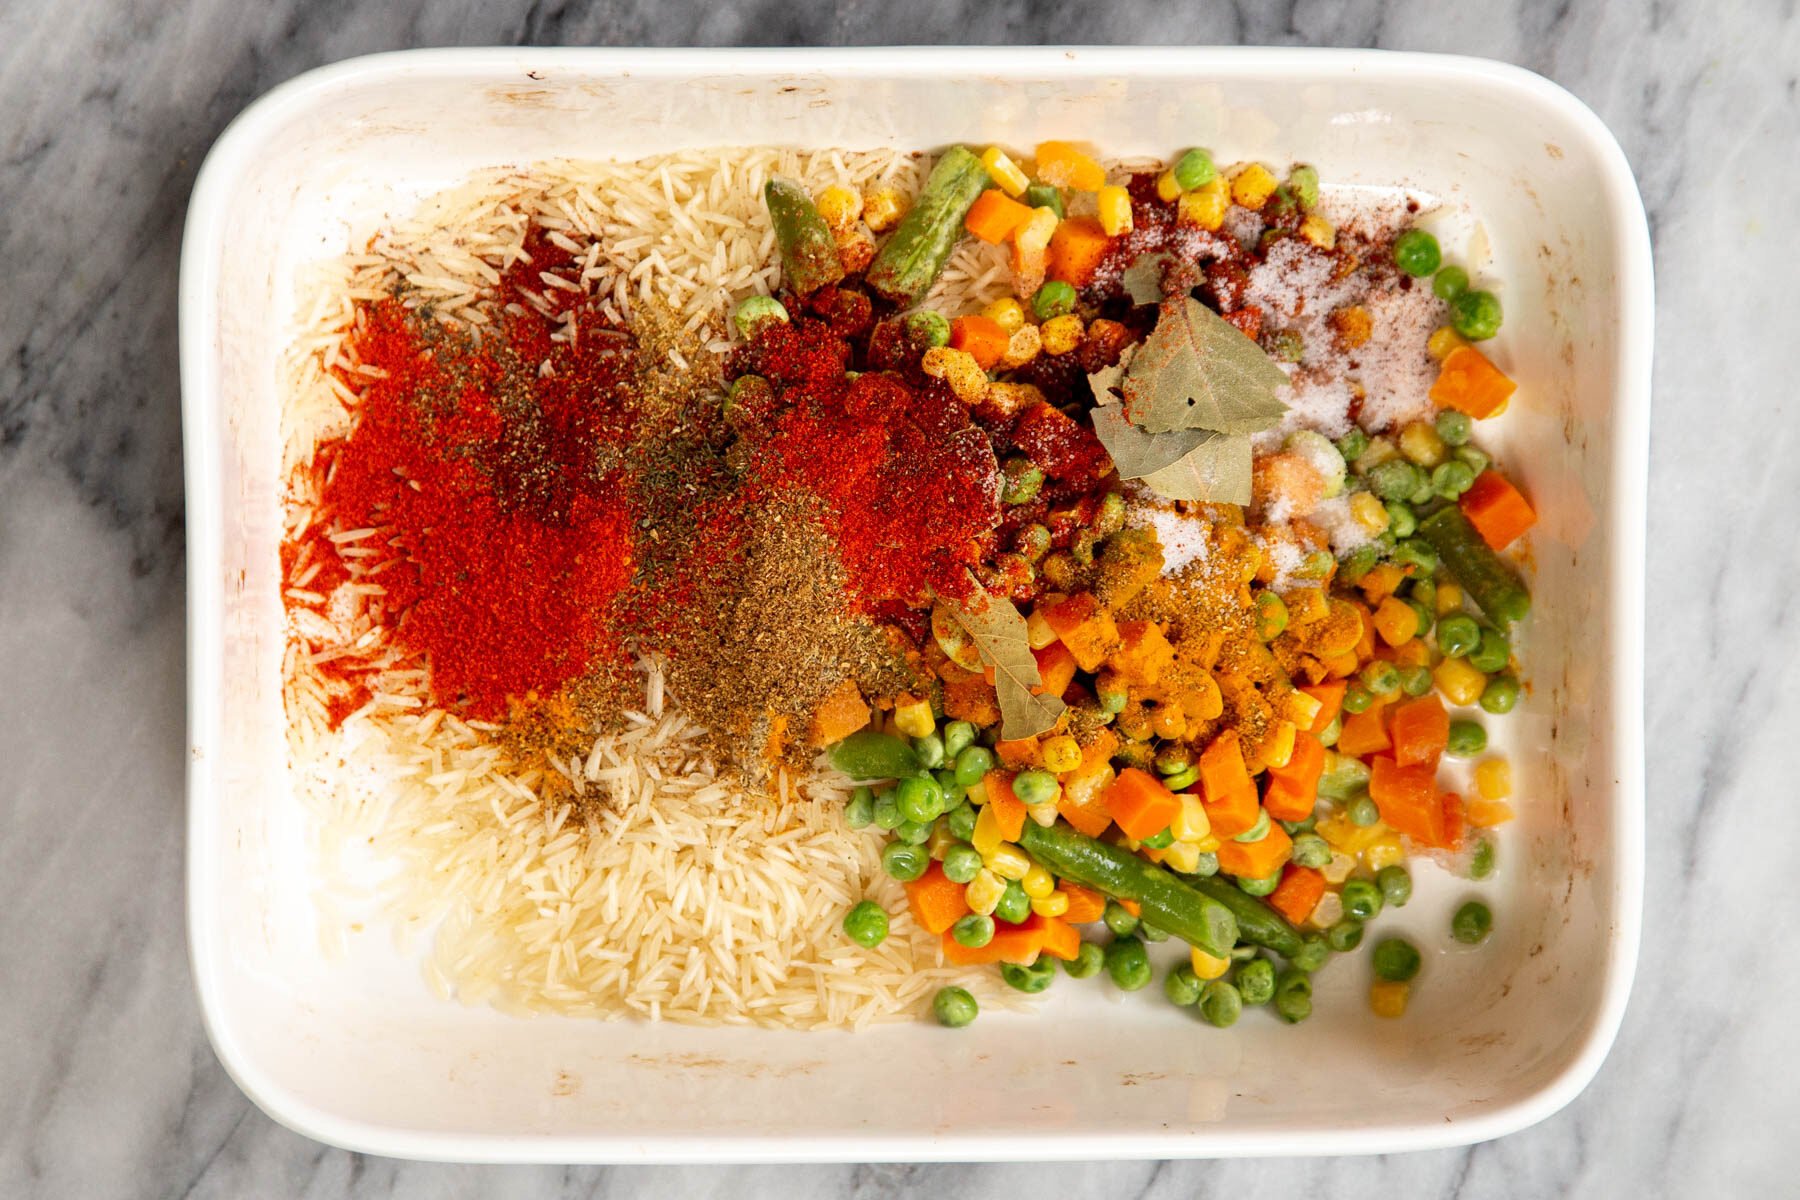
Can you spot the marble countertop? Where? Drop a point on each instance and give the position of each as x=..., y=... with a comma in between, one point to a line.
x=107, y=1084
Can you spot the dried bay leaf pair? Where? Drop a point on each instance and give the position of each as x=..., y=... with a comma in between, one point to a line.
x=998, y=631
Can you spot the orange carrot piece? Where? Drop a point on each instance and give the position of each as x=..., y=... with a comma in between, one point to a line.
x=1139, y=803
x=1227, y=792
x=1364, y=732
x=1454, y=821
x=1019, y=943
x=994, y=216
x=1294, y=789
x=937, y=902
x=1471, y=384
x=1091, y=818
x=1059, y=939
x=1420, y=730
x=1076, y=249
x=1064, y=164
x=1018, y=754
x=1298, y=893
x=1331, y=702
x=1085, y=904
x=1056, y=669
x=1256, y=860
x=1498, y=510
x=983, y=337
x=1408, y=800
x=1009, y=810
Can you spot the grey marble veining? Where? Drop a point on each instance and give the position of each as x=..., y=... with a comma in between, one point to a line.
x=107, y=1085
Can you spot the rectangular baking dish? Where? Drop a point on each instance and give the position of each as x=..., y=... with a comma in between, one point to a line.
x=358, y=1052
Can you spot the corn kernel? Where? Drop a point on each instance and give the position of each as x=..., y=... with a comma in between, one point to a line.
x=1485, y=814
x=883, y=207
x=913, y=717
x=1493, y=779
x=1043, y=814
x=941, y=839
x=1183, y=857
x=1062, y=334
x=1007, y=861
x=1369, y=512
x=1061, y=753
x=1388, y=999
x=1005, y=312
x=1037, y=881
x=1208, y=966
x=1253, y=185
x=1204, y=701
x=1208, y=844
x=1449, y=598
x=1460, y=682
x=1380, y=450
x=1279, y=749
x=1301, y=708
x=1305, y=605
x=1021, y=348
x=1381, y=581
x=840, y=207
x=986, y=837
x=1115, y=210
x=1053, y=905
x=1167, y=190
x=959, y=369
x=1168, y=721
x=1038, y=632
x=1204, y=206
x=1338, y=869
x=1353, y=326
x=1420, y=442
x=1328, y=911
x=1442, y=341
x=856, y=250
x=1396, y=621
x=984, y=892
x=1004, y=171
x=1385, y=853
x=1319, y=231
x=1191, y=824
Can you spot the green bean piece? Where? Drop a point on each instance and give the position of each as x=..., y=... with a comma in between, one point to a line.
x=866, y=924
x=809, y=255
x=954, y=1007
x=1150, y=933
x=1055, y=299
x=1484, y=575
x=1362, y=899
x=1182, y=986
x=1396, y=885
x=1030, y=978
x=1042, y=195
x=1467, y=739
x=1255, y=979
x=870, y=755
x=1087, y=961
x=1220, y=1003
x=962, y=863
x=1128, y=964
x=1395, y=960
x=753, y=312
x=859, y=810
x=911, y=260
x=1345, y=936
x=1293, y=996
x=1472, y=923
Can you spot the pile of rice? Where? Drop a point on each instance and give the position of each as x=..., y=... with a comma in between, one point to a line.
x=685, y=895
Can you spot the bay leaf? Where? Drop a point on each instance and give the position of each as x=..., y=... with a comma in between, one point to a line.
x=1196, y=371
x=1138, y=453
x=1217, y=470
x=1106, y=383
x=1143, y=279
x=998, y=631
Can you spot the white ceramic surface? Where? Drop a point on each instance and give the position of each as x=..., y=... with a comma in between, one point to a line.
x=359, y=1053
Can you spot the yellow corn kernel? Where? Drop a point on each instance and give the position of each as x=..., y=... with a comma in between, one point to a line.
x=1347, y=838
x=959, y=369
x=1352, y=325
x=1369, y=512
x=1388, y=999
x=1038, y=632
x=1061, y=753
x=1004, y=171
x=1183, y=857
x=1420, y=442
x=1493, y=779
x=1005, y=312
x=1167, y=190
x=984, y=892
x=1204, y=701
x=883, y=207
x=1253, y=185
x=1191, y=824
x=1168, y=721
x=986, y=837
x=1204, y=206
x=1062, y=334
x=1301, y=708
x=1449, y=598
x=1396, y=621
x=1037, y=882
x=1338, y=869
x=1115, y=210
x=913, y=717
x=1328, y=911
x=1007, y=861
x=1442, y=341
x=1021, y=348
x=1208, y=966
x=1207, y=844
x=1319, y=231
x=1460, y=682
x=941, y=839
x=1381, y=581
x=1385, y=853
x=1053, y=905
x=1279, y=749
x=840, y=207
x=1043, y=814
x=1485, y=814
x=1304, y=605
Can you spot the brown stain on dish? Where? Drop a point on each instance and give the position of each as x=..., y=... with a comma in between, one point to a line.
x=1553, y=150
x=745, y=1068
x=1133, y=1078
x=566, y=1083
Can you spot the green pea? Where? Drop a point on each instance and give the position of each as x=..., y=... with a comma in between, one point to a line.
x=1362, y=810
x=1304, y=181
x=1194, y=169
x=1345, y=936
x=1416, y=252
x=1500, y=694
x=1042, y=195
x=1381, y=678
x=1313, y=952
x=1110, y=518
x=1182, y=986
x=1395, y=883
x=1311, y=850
x=1054, y=299
x=1159, y=841
x=1476, y=460
x=1328, y=736
x=1287, y=346
x=1258, y=831
x=887, y=810
x=1220, y=1003
x=1271, y=616
x=1031, y=543
x=1454, y=428
x=866, y=924
x=973, y=764
x=1492, y=654
x=1457, y=635
x=1206, y=864
x=958, y=736
x=920, y=799
x=1451, y=479
x=1260, y=887
x=753, y=312
x=1467, y=739
x=914, y=833
x=1128, y=964
x=1358, y=563
x=1118, y=918
x=1112, y=692
x=1014, y=904
x=927, y=327
x=1182, y=780
x=1481, y=860
x=1402, y=521
x=1395, y=960
x=1395, y=479
x=973, y=930
x=904, y=861
x=1416, y=552
x=930, y=750
x=1362, y=899
x=1476, y=314
x=1472, y=923
x=1020, y=480
x=962, y=821
x=1353, y=445
x=1449, y=283
x=1087, y=961
x=961, y=863
x=1296, y=828
x=1255, y=979
x=1035, y=787
x=1422, y=494
x=1357, y=698
x=1293, y=996
x=1415, y=681
x=954, y=1007
x=859, y=810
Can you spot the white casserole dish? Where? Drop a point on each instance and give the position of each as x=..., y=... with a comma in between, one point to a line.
x=358, y=1052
